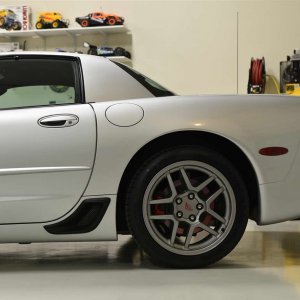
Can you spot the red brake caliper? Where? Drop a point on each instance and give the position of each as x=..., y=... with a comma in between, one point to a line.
x=159, y=211
x=157, y=208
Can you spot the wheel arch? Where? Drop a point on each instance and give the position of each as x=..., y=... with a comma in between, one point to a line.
x=216, y=142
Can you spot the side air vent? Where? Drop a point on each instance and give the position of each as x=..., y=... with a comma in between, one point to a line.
x=84, y=219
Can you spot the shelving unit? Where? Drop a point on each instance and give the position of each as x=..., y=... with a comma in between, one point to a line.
x=72, y=33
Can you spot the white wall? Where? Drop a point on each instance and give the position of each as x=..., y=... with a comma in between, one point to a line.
x=191, y=47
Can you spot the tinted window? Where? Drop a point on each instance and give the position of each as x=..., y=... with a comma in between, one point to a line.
x=153, y=87
x=37, y=81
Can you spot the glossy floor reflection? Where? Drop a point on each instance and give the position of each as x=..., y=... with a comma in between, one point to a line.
x=265, y=265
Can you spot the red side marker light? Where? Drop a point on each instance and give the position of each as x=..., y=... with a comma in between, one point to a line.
x=273, y=151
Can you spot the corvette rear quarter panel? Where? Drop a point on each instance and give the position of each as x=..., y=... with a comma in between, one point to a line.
x=250, y=122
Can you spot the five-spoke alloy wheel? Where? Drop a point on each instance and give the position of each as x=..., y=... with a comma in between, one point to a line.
x=187, y=206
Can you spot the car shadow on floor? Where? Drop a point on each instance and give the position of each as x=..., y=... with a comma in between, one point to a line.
x=255, y=250
x=264, y=250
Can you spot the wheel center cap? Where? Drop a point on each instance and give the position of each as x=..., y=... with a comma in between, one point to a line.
x=187, y=207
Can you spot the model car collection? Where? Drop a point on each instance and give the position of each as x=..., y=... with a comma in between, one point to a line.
x=99, y=19
x=116, y=153
x=51, y=20
x=9, y=20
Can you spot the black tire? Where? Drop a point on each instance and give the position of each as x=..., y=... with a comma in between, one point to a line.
x=225, y=217
x=111, y=21
x=17, y=26
x=39, y=25
x=119, y=51
x=56, y=24
x=84, y=23
x=127, y=54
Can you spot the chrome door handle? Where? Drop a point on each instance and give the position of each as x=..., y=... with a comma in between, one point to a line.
x=58, y=121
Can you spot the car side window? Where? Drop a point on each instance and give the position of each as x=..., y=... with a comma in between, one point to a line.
x=28, y=81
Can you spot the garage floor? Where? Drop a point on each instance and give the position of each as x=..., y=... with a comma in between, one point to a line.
x=265, y=265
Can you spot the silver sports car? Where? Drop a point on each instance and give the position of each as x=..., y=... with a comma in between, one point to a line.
x=91, y=149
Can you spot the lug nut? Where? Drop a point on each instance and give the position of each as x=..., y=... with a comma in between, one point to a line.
x=179, y=214
x=178, y=201
x=199, y=206
x=192, y=218
x=191, y=196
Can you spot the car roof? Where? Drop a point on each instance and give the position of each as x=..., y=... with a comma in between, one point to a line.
x=48, y=53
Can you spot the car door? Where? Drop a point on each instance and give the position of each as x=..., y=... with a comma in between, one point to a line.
x=48, y=138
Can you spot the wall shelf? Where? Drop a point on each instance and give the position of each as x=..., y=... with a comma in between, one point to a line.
x=120, y=59
x=75, y=32
x=72, y=33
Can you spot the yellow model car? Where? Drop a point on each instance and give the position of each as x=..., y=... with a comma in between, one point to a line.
x=51, y=20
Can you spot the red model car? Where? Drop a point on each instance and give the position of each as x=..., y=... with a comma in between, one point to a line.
x=99, y=19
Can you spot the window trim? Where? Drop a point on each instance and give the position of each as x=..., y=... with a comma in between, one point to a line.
x=140, y=78
x=40, y=106
x=78, y=77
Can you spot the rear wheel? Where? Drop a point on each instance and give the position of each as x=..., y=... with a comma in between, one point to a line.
x=187, y=207
x=55, y=24
x=119, y=51
x=127, y=54
x=111, y=21
x=84, y=23
x=16, y=26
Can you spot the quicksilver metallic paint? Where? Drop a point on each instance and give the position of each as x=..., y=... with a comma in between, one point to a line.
x=48, y=194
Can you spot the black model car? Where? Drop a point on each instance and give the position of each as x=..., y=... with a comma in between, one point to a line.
x=106, y=51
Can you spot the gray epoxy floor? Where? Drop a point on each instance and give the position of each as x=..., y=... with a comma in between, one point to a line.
x=265, y=265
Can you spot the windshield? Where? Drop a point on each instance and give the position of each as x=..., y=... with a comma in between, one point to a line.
x=153, y=87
